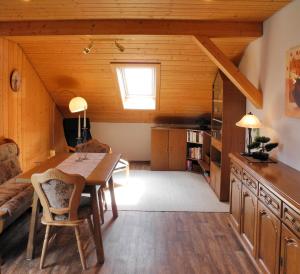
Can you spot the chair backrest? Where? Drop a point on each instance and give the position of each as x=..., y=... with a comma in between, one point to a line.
x=9, y=161
x=59, y=194
x=93, y=146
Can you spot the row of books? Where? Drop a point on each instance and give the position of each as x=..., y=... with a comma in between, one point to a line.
x=194, y=136
x=195, y=153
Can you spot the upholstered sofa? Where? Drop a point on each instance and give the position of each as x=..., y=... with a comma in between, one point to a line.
x=15, y=198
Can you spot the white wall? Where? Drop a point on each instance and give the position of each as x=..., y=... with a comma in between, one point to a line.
x=264, y=65
x=133, y=140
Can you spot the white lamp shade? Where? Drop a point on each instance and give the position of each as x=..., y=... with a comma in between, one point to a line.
x=77, y=104
x=249, y=121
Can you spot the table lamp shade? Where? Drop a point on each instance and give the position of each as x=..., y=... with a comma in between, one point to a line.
x=77, y=104
x=249, y=121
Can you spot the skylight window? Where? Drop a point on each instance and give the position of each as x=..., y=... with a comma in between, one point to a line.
x=138, y=85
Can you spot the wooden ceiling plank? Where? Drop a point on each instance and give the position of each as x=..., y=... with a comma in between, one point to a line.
x=132, y=27
x=230, y=70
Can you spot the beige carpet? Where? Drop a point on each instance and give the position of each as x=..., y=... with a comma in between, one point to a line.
x=147, y=190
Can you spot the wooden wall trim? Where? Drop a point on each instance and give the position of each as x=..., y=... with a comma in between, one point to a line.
x=230, y=70
x=132, y=27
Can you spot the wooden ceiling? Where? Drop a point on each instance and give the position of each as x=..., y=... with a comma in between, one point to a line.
x=186, y=73
x=250, y=10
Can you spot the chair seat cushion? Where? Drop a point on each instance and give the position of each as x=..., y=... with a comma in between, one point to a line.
x=84, y=210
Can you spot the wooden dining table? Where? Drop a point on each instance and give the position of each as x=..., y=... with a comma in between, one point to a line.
x=99, y=176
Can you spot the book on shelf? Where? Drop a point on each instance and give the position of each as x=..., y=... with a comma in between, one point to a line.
x=195, y=136
x=195, y=153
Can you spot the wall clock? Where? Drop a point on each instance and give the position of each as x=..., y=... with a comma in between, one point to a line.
x=15, y=80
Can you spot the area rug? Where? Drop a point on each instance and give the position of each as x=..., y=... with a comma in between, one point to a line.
x=145, y=190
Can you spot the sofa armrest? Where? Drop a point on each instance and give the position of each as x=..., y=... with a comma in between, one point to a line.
x=3, y=214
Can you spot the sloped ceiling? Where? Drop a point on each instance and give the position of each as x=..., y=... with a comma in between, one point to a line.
x=186, y=73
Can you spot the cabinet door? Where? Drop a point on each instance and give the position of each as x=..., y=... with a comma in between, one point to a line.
x=268, y=240
x=215, y=173
x=177, y=149
x=290, y=252
x=212, y=176
x=248, y=219
x=159, y=149
x=235, y=202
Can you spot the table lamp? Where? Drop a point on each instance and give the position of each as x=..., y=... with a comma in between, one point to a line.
x=249, y=121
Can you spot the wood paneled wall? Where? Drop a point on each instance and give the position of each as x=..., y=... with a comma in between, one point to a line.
x=28, y=116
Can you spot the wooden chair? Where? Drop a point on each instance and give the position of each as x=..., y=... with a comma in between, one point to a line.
x=95, y=146
x=63, y=205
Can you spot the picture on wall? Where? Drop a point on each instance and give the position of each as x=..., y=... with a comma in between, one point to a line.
x=292, y=90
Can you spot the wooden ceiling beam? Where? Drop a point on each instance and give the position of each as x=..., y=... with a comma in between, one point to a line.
x=132, y=27
x=230, y=70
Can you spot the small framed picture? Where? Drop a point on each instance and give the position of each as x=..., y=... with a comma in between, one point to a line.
x=292, y=83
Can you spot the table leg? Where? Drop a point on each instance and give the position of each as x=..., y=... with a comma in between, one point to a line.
x=113, y=199
x=33, y=227
x=97, y=226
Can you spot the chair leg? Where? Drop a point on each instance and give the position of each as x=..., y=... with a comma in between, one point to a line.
x=104, y=199
x=101, y=205
x=91, y=226
x=45, y=245
x=127, y=173
x=82, y=259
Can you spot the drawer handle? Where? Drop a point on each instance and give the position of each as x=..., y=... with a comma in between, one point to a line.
x=292, y=220
x=268, y=199
x=262, y=212
x=263, y=193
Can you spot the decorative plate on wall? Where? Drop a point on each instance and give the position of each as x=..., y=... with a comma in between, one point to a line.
x=15, y=80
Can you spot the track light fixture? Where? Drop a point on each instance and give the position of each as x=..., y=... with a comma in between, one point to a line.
x=88, y=49
x=119, y=46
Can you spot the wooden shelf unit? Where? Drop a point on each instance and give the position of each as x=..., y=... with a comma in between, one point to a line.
x=194, y=140
x=203, y=163
x=228, y=106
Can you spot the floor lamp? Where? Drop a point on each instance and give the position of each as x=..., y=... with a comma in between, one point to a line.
x=79, y=104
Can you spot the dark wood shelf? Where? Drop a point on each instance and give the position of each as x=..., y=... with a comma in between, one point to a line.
x=205, y=166
x=216, y=143
x=217, y=100
x=192, y=159
x=195, y=143
x=217, y=120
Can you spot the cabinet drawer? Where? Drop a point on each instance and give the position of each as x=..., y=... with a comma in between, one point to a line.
x=250, y=182
x=292, y=219
x=236, y=170
x=270, y=200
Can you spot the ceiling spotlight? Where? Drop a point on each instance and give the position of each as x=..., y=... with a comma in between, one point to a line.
x=119, y=46
x=88, y=49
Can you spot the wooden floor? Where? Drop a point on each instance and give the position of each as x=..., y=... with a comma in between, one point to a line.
x=136, y=243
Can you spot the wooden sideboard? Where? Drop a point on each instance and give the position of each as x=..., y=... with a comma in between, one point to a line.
x=265, y=213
